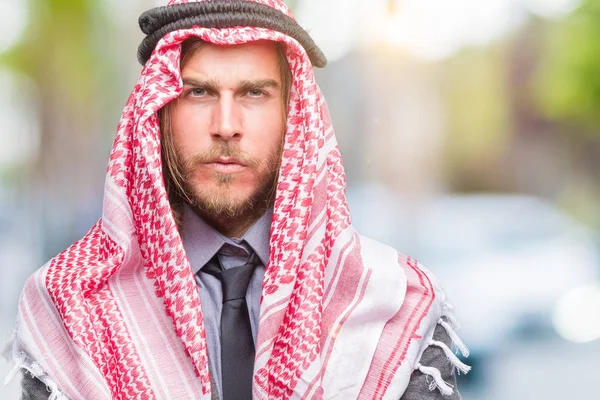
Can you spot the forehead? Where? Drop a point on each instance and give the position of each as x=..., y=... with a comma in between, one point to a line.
x=255, y=60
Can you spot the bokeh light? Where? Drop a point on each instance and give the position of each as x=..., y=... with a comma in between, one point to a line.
x=577, y=314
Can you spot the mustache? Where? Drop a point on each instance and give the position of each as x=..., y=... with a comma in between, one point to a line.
x=220, y=150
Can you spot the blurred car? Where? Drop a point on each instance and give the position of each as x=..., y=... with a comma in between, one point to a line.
x=505, y=260
x=17, y=256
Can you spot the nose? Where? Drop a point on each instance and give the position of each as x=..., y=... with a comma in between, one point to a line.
x=226, y=119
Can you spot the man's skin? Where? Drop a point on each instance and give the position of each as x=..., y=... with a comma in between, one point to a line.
x=232, y=96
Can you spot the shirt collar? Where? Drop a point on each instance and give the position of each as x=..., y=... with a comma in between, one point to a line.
x=258, y=236
x=201, y=241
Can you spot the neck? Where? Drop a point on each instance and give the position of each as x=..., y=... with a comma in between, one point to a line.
x=231, y=227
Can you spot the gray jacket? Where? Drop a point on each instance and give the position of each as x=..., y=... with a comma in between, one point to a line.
x=418, y=387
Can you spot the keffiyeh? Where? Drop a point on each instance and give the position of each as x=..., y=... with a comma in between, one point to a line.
x=117, y=315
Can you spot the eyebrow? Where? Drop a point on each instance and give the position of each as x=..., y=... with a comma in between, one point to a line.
x=209, y=84
x=258, y=84
x=242, y=86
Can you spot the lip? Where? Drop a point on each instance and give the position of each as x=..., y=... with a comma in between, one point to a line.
x=228, y=161
x=226, y=165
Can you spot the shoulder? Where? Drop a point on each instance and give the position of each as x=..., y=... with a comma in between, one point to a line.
x=35, y=288
x=424, y=302
x=426, y=313
x=422, y=285
x=32, y=388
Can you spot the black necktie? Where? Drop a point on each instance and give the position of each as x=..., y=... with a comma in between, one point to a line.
x=237, y=343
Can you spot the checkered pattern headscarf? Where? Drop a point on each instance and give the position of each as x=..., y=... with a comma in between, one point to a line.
x=117, y=315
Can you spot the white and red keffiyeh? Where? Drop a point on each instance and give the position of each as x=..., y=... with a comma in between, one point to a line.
x=118, y=315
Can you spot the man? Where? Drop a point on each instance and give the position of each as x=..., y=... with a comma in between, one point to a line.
x=225, y=264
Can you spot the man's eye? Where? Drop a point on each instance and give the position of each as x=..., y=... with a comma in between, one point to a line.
x=198, y=92
x=255, y=93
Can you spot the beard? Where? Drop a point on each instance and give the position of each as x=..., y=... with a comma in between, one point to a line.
x=218, y=203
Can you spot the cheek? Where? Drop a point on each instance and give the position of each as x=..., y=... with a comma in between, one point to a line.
x=189, y=130
x=267, y=129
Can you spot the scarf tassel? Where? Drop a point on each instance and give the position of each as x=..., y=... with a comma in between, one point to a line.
x=448, y=313
x=464, y=350
x=462, y=367
x=448, y=322
x=23, y=362
x=445, y=388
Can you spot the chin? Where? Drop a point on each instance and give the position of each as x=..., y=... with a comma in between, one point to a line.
x=223, y=194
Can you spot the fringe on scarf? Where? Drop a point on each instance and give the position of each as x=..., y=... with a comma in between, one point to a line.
x=449, y=323
x=13, y=352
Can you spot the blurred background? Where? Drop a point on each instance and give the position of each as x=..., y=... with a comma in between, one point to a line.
x=471, y=139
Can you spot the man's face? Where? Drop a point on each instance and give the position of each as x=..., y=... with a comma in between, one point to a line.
x=228, y=126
